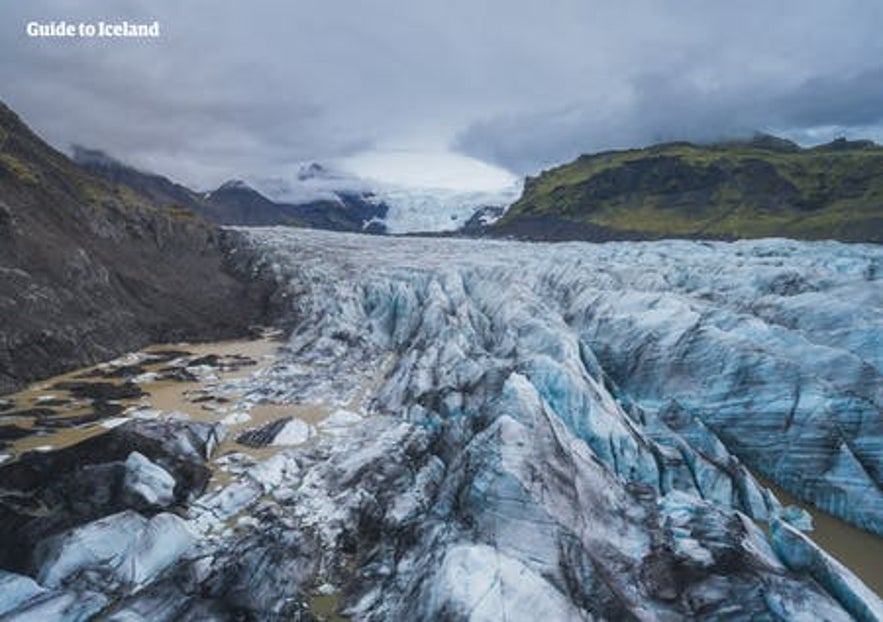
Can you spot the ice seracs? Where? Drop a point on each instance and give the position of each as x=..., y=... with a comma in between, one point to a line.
x=576, y=396
x=513, y=431
x=703, y=335
x=148, y=482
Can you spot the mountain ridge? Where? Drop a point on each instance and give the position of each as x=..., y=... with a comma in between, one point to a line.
x=237, y=203
x=765, y=187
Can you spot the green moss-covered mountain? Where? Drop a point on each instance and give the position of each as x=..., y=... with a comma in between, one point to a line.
x=760, y=188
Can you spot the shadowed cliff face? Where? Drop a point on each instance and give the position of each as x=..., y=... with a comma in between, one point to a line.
x=89, y=268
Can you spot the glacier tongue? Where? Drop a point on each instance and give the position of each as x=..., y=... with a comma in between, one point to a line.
x=505, y=431
x=569, y=424
x=768, y=349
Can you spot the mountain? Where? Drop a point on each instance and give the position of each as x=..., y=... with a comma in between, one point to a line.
x=765, y=187
x=237, y=203
x=240, y=204
x=394, y=208
x=482, y=219
x=159, y=189
x=90, y=267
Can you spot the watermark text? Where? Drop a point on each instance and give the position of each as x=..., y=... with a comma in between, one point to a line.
x=93, y=30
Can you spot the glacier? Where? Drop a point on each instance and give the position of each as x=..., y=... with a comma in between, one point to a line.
x=596, y=409
x=516, y=431
x=415, y=210
x=769, y=351
x=411, y=208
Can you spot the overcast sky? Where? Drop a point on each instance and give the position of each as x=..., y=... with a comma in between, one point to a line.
x=408, y=90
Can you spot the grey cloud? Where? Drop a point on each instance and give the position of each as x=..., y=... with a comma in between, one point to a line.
x=850, y=100
x=811, y=78
x=663, y=109
x=238, y=89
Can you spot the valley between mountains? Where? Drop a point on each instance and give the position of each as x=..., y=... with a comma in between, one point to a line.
x=432, y=428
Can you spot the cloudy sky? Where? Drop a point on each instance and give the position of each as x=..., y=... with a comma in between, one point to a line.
x=448, y=92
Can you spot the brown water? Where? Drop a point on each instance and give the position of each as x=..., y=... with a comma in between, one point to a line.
x=198, y=400
x=325, y=607
x=166, y=395
x=858, y=550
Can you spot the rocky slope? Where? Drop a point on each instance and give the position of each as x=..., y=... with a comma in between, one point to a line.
x=495, y=431
x=91, y=268
x=766, y=187
x=159, y=189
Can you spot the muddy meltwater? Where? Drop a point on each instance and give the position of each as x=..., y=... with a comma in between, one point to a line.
x=62, y=411
x=859, y=550
x=197, y=381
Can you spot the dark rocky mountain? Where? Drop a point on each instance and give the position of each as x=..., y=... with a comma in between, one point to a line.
x=482, y=219
x=236, y=203
x=353, y=211
x=765, y=187
x=239, y=204
x=90, y=267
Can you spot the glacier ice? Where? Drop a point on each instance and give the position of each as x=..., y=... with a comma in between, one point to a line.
x=148, y=481
x=716, y=337
x=800, y=554
x=438, y=209
x=425, y=206
x=595, y=409
x=22, y=600
x=525, y=430
x=124, y=550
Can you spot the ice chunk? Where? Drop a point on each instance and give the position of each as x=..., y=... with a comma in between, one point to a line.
x=337, y=422
x=148, y=481
x=478, y=583
x=126, y=549
x=295, y=432
x=16, y=590
x=801, y=555
x=236, y=418
x=228, y=501
x=275, y=470
x=22, y=600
